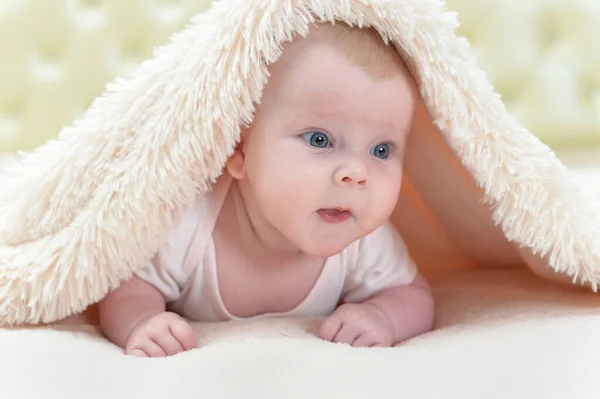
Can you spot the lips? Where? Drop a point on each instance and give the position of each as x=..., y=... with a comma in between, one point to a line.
x=334, y=215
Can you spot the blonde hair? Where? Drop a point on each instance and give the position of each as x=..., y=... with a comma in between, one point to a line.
x=364, y=47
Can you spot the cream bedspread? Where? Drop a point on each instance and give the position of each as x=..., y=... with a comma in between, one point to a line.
x=499, y=334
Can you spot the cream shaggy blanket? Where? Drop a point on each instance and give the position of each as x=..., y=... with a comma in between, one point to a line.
x=489, y=213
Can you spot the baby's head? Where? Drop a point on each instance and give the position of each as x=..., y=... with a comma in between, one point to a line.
x=322, y=160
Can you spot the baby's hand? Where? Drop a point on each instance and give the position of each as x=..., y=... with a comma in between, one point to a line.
x=360, y=324
x=164, y=334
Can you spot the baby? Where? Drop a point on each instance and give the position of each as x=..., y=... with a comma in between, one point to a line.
x=297, y=224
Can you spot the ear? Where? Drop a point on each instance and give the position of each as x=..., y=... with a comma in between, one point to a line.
x=236, y=164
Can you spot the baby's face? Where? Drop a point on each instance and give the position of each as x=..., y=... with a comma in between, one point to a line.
x=324, y=155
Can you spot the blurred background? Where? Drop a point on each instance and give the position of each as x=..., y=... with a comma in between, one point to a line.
x=57, y=55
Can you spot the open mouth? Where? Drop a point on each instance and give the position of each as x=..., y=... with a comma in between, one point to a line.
x=334, y=215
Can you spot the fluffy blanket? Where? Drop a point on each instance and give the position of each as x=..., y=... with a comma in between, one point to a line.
x=481, y=195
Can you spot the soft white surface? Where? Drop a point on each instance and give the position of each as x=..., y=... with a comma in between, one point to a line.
x=500, y=334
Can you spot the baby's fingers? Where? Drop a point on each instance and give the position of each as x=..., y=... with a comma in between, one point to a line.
x=365, y=340
x=169, y=344
x=334, y=329
x=183, y=332
x=137, y=352
x=330, y=327
x=346, y=335
x=148, y=347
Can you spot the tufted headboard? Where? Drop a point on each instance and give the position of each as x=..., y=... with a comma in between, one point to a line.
x=57, y=55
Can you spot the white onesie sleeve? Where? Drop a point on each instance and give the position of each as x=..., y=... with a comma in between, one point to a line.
x=166, y=270
x=382, y=261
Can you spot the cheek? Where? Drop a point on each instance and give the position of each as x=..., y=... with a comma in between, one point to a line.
x=282, y=178
x=385, y=197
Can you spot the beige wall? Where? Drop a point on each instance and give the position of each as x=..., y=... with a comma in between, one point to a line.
x=57, y=55
x=543, y=57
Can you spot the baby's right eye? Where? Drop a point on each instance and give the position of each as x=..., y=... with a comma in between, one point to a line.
x=316, y=139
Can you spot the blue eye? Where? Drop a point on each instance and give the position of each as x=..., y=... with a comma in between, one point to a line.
x=316, y=139
x=381, y=151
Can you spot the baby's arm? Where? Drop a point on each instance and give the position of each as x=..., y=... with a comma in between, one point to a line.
x=386, y=319
x=386, y=300
x=134, y=317
x=408, y=308
x=124, y=308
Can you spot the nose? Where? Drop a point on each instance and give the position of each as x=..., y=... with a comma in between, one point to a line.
x=351, y=172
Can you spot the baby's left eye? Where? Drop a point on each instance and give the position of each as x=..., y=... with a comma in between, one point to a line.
x=381, y=151
x=317, y=139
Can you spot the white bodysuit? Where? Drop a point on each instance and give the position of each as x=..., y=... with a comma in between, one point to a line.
x=185, y=271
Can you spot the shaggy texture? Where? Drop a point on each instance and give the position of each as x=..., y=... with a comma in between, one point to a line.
x=83, y=212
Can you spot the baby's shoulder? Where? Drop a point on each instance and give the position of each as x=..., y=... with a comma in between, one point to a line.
x=384, y=236
x=382, y=245
x=380, y=260
x=186, y=221
x=182, y=227
x=193, y=225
